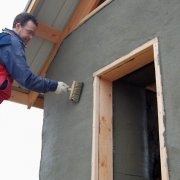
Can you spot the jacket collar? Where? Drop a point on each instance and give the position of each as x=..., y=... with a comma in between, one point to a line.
x=13, y=33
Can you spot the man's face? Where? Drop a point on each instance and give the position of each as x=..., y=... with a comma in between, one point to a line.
x=27, y=31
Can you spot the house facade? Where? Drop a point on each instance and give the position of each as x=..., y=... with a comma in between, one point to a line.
x=126, y=124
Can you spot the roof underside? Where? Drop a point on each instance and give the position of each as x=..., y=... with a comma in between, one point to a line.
x=55, y=14
x=57, y=19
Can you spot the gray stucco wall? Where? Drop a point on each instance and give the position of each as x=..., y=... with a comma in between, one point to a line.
x=113, y=32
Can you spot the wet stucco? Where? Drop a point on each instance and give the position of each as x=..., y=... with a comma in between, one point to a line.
x=113, y=32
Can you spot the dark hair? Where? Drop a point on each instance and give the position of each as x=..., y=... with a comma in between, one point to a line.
x=23, y=18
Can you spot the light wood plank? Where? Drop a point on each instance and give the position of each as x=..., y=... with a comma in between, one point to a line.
x=33, y=5
x=95, y=130
x=141, y=50
x=129, y=65
x=161, y=114
x=105, y=131
x=22, y=98
x=49, y=33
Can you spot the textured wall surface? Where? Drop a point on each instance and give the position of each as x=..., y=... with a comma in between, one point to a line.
x=113, y=32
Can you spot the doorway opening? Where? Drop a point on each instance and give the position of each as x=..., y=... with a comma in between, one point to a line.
x=135, y=126
x=128, y=118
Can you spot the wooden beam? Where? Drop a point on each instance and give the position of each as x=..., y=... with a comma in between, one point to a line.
x=49, y=33
x=105, y=131
x=161, y=114
x=83, y=8
x=92, y=13
x=22, y=98
x=32, y=6
x=130, y=65
x=95, y=131
x=127, y=64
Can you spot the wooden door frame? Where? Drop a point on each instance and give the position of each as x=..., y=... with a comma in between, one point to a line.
x=102, y=140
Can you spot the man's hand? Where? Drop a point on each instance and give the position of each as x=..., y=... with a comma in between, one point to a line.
x=61, y=88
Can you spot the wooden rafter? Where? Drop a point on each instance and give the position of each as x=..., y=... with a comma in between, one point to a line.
x=84, y=7
x=21, y=97
x=46, y=32
x=82, y=10
x=92, y=13
x=32, y=6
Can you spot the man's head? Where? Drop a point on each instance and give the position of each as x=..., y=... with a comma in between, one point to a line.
x=25, y=26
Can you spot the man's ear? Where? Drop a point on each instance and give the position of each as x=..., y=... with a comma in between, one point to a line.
x=18, y=25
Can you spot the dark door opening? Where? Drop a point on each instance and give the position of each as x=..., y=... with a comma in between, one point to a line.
x=136, y=154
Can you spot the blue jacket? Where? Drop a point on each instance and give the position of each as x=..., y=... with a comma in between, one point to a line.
x=12, y=56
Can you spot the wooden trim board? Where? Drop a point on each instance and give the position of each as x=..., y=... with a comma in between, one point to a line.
x=105, y=131
x=161, y=114
x=102, y=154
x=95, y=130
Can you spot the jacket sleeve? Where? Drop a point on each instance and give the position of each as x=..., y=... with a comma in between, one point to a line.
x=14, y=59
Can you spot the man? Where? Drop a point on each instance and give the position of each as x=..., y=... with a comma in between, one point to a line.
x=13, y=64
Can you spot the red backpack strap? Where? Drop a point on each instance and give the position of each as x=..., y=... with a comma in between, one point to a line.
x=5, y=93
x=3, y=74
